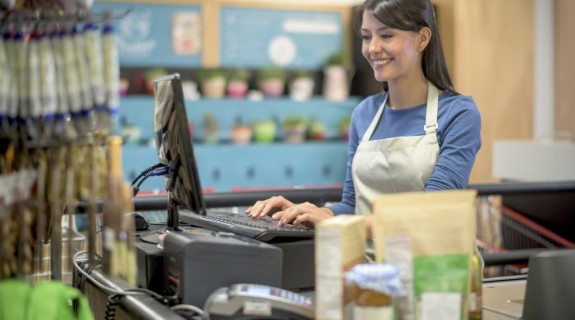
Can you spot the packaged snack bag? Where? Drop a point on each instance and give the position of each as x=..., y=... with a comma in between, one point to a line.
x=430, y=236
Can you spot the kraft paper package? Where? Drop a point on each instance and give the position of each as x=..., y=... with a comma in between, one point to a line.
x=339, y=245
x=430, y=236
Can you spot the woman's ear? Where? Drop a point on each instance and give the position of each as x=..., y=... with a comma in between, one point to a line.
x=423, y=38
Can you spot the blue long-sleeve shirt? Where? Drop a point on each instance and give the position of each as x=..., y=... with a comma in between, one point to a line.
x=459, y=138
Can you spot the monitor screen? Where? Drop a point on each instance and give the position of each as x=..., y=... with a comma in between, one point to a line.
x=174, y=145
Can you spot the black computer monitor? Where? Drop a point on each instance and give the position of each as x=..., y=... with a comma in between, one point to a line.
x=175, y=151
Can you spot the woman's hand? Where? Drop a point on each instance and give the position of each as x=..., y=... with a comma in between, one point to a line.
x=268, y=207
x=305, y=214
x=286, y=212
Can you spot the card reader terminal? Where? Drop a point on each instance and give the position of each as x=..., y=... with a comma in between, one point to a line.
x=253, y=301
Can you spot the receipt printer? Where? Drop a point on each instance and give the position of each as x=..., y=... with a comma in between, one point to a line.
x=198, y=263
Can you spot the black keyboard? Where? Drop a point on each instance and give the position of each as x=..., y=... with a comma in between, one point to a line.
x=264, y=229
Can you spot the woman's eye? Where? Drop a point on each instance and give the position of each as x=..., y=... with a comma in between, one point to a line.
x=386, y=36
x=365, y=37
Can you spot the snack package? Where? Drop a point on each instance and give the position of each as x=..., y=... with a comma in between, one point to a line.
x=339, y=245
x=376, y=285
x=430, y=236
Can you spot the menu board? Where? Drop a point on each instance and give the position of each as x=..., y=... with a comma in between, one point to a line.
x=157, y=34
x=253, y=37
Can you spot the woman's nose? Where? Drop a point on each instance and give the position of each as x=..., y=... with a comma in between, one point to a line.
x=374, y=46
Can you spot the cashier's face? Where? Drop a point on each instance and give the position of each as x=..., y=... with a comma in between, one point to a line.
x=392, y=53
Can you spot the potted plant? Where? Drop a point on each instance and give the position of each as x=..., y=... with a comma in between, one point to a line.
x=271, y=81
x=343, y=127
x=264, y=131
x=237, y=82
x=210, y=128
x=212, y=82
x=316, y=130
x=241, y=132
x=335, y=85
x=301, y=85
x=294, y=129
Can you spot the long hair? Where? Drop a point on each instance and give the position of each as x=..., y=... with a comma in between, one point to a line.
x=413, y=15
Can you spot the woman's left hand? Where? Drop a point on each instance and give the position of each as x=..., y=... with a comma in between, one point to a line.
x=306, y=214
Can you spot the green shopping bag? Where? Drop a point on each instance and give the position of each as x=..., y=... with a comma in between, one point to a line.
x=46, y=300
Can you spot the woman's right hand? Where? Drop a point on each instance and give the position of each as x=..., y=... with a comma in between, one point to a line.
x=268, y=207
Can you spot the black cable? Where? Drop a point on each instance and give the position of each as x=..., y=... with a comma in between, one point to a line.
x=136, y=189
x=81, y=280
x=110, y=313
x=154, y=172
x=148, y=169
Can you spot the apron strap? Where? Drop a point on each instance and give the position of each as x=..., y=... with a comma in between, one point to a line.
x=374, y=122
x=431, y=125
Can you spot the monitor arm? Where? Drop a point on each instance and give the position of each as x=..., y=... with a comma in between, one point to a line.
x=173, y=223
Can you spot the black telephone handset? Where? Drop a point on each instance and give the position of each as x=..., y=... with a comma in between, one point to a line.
x=254, y=301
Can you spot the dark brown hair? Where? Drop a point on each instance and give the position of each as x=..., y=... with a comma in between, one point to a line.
x=413, y=15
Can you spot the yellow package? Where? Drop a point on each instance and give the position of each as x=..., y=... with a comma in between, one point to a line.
x=430, y=236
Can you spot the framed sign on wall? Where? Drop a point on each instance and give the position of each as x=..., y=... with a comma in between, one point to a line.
x=258, y=37
x=158, y=34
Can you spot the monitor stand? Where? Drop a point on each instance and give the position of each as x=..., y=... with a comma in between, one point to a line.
x=172, y=225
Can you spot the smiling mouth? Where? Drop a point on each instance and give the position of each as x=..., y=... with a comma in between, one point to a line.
x=381, y=62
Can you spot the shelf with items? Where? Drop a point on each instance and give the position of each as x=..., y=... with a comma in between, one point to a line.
x=225, y=165
x=137, y=115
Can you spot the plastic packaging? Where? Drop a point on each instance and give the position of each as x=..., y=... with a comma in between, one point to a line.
x=375, y=286
x=111, y=76
x=48, y=94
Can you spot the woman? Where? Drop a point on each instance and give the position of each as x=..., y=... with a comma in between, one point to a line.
x=417, y=135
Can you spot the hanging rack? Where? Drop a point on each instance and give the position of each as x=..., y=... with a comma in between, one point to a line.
x=25, y=16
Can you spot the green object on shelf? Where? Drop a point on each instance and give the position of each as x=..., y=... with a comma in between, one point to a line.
x=294, y=128
x=210, y=73
x=316, y=130
x=211, y=128
x=343, y=127
x=238, y=74
x=271, y=72
x=339, y=58
x=264, y=131
x=293, y=121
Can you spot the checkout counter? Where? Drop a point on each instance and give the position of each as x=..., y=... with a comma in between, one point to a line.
x=543, y=294
x=503, y=298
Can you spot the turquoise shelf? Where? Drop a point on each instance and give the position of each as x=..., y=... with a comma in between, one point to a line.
x=225, y=166
x=139, y=111
x=230, y=167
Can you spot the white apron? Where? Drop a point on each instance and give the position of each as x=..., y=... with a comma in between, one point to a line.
x=398, y=164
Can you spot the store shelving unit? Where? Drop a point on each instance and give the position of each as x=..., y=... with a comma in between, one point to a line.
x=225, y=166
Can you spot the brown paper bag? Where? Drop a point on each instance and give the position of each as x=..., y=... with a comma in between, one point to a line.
x=430, y=236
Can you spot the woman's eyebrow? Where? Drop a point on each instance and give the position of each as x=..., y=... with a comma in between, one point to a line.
x=378, y=30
